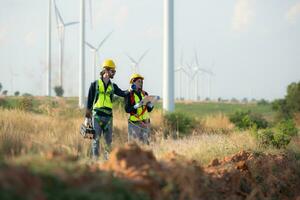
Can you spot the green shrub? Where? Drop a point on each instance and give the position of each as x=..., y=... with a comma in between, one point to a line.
x=3, y=103
x=280, y=139
x=262, y=102
x=59, y=91
x=26, y=103
x=265, y=137
x=27, y=95
x=17, y=93
x=279, y=136
x=287, y=127
x=245, y=120
x=178, y=124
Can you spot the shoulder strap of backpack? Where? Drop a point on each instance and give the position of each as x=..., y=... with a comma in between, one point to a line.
x=132, y=97
x=96, y=92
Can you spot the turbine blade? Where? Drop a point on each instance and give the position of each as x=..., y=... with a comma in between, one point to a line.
x=131, y=59
x=144, y=54
x=102, y=42
x=58, y=13
x=55, y=9
x=89, y=45
x=71, y=23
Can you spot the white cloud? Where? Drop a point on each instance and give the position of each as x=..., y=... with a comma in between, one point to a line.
x=293, y=13
x=243, y=14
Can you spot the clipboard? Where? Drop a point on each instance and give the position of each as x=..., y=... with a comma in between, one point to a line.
x=150, y=98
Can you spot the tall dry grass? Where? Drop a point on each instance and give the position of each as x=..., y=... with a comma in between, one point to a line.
x=26, y=133
x=206, y=147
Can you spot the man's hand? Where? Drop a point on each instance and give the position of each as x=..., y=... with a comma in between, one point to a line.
x=88, y=122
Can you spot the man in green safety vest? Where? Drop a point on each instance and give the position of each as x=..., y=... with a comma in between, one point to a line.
x=99, y=107
x=138, y=108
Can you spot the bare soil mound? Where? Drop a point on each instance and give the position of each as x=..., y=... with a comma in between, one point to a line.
x=244, y=175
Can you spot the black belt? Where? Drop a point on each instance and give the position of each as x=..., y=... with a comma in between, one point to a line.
x=143, y=121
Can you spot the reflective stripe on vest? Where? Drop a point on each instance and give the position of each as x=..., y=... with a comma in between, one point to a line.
x=104, y=99
x=139, y=116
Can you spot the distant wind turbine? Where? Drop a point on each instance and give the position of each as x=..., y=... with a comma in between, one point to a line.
x=181, y=70
x=61, y=25
x=197, y=70
x=95, y=52
x=136, y=63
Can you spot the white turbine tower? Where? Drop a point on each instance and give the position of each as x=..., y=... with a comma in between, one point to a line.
x=61, y=25
x=48, y=56
x=136, y=63
x=81, y=94
x=210, y=75
x=95, y=52
x=168, y=61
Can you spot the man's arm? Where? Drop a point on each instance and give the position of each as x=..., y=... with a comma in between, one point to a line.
x=128, y=106
x=90, y=100
x=119, y=92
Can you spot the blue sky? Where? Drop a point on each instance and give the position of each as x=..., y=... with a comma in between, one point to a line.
x=252, y=46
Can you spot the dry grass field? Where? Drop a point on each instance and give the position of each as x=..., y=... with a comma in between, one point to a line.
x=47, y=141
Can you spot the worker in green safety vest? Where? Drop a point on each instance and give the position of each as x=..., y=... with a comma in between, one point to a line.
x=99, y=107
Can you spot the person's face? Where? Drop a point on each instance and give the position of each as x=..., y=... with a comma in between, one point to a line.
x=138, y=83
x=111, y=73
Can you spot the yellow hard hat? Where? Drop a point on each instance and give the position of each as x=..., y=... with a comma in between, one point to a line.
x=108, y=63
x=135, y=76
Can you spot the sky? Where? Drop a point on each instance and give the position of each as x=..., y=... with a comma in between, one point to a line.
x=251, y=46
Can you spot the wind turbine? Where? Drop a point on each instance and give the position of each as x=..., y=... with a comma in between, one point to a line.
x=61, y=25
x=135, y=64
x=210, y=75
x=197, y=73
x=95, y=51
x=205, y=71
x=181, y=70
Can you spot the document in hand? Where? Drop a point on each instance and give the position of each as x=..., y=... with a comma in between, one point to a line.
x=150, y=98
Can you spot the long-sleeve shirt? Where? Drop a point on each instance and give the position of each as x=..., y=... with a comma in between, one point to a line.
x=92, y=96
x=129, y=105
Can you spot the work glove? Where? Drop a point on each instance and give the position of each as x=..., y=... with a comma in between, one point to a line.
x=136, y=106
x=88, y=122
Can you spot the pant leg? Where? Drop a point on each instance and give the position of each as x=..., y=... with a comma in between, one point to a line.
x=95, y=141
x=133, y=132
x=107, y=131
x=145, y=132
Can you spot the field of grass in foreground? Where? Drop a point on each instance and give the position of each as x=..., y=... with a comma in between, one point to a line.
x=43, y=145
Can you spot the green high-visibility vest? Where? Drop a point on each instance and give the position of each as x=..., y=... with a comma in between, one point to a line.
x=139, y=116
x=104, y=97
